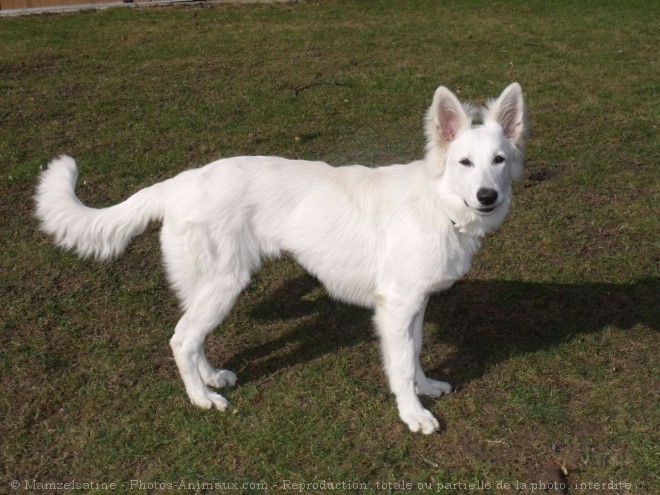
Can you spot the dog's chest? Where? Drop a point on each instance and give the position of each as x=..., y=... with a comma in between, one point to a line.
x=453, y=259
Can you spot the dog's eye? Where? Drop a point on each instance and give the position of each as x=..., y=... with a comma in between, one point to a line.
x=465, y=162
x=499, y=159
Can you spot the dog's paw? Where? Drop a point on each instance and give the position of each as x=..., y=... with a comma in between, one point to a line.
x=210, y=400
x=221, y=378
x=420, y=420
x=433, y=388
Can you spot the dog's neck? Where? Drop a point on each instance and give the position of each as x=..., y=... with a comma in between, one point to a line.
x=469, y=223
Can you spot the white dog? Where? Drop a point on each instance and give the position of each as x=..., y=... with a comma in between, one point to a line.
x=384, y=238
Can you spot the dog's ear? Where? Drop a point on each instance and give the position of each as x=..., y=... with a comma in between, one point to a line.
x=509, y=112
x=445, y=118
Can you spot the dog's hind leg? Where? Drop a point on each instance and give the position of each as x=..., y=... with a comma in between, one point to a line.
x=211, y=305
x=208, y=277
x=424, y=385
x=213, y=377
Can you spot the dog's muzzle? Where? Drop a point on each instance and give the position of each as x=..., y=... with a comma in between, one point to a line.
x=487, y=198
x=483, y=210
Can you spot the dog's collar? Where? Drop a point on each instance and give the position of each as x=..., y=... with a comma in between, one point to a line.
x=456, y=226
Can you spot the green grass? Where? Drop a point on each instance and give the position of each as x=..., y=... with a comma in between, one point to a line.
x=551, y=340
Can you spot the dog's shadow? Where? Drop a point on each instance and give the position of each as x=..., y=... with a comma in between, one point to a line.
x=482, y=321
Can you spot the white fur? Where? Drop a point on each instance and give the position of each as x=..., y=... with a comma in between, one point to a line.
x=384, y=238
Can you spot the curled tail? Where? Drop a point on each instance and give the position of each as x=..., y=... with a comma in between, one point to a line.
x=102, y=233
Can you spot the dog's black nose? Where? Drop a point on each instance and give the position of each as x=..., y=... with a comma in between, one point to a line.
x=486, y=196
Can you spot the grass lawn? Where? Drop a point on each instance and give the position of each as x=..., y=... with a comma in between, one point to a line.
x=551, y=341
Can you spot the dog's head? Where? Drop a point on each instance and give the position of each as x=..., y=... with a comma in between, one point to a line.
x=475, y=164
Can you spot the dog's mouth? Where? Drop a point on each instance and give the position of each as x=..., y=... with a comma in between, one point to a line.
x=488, y=209
x=485, y=210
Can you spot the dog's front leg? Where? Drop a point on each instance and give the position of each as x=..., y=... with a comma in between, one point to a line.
x=394, y=321
x=424, y=385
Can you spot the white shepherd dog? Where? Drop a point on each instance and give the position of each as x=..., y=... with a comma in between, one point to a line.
x=384, y=238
